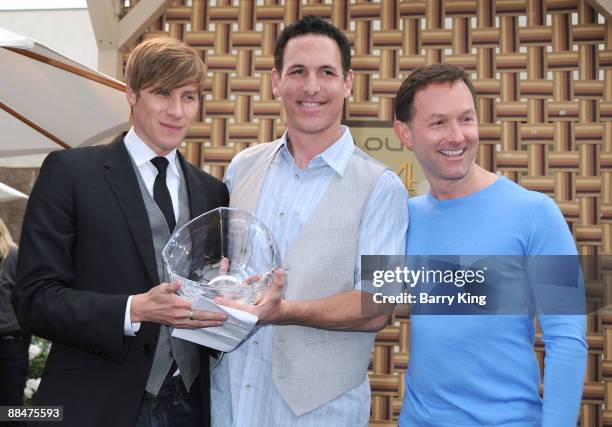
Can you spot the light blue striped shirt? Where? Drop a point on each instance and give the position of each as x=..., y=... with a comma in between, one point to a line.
x=243, y=393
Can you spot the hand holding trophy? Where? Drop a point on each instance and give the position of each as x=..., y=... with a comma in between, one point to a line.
x=225, y=255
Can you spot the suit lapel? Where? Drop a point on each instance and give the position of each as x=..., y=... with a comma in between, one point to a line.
x=195, y=192
x=121, y=177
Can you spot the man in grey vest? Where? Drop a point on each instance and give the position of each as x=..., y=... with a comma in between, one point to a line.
x=90, y=265
x=326, y=203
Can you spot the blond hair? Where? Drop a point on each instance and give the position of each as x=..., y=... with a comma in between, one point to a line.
x=164, y=63
x=6, y=240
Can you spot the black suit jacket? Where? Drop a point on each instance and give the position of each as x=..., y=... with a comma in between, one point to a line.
x=86, y=246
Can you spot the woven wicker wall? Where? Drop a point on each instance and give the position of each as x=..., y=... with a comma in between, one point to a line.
x=543, y=72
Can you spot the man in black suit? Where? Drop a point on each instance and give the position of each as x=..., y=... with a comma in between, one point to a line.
x=90, y=264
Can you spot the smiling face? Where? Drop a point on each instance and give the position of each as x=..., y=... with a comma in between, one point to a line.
x=312, y=87
x=443, y=134
x=162, y=118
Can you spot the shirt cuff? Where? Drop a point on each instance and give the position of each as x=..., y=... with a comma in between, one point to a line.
x=130, y=328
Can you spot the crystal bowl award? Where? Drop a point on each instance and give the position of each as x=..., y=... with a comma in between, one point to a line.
x=225, y=253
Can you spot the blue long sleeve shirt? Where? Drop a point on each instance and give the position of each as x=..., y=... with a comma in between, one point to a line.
x=482, y=370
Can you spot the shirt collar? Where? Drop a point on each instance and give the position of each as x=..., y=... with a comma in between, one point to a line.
x=335, y=156
x=141, y=153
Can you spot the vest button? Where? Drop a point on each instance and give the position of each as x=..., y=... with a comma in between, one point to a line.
x=146, y=348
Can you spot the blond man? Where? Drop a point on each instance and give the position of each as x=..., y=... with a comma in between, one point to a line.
x=90, y=275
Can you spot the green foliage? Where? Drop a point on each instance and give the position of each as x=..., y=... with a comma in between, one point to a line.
x=38, y=352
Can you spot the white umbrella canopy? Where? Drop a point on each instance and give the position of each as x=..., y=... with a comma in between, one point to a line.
x=8, y=194
x=50, y=102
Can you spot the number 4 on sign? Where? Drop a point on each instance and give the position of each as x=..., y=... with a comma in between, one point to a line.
x=406, y=175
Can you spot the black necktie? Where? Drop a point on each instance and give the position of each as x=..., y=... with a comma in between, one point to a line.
x=161, y=193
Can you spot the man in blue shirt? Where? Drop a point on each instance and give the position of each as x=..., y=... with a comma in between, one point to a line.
x=480, y=370
x=326, y=203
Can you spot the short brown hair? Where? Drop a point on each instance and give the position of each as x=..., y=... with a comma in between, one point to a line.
x=312, y=25
x=419, y=79
x=164, y=63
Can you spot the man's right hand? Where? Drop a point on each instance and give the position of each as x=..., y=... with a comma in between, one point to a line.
x=270, y=307
x=162, y=305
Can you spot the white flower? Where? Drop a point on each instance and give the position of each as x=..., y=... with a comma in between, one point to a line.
x=34, y=351
x=31, y=387
x=33, y=383
x=28, y=392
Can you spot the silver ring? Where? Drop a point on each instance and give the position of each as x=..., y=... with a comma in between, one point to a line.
x=190, y=314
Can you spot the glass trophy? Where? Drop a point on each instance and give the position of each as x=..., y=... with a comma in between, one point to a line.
x=225, y=253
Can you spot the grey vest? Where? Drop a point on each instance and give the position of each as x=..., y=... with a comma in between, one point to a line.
x=184, y=352
x=310, y=366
